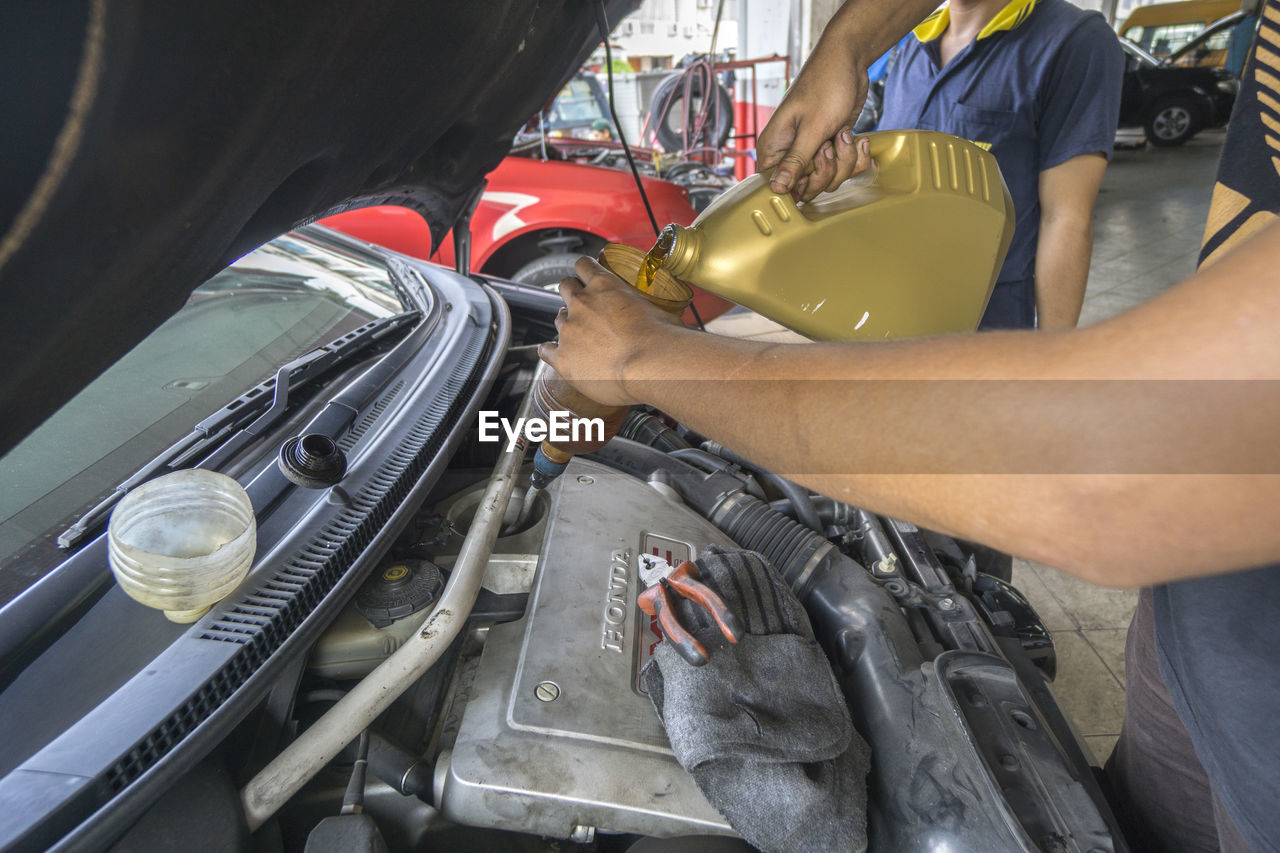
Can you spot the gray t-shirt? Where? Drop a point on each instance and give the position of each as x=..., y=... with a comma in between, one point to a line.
x=1218, y=639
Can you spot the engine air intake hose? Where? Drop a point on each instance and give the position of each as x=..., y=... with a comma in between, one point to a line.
x=645, y=428
x=801, y=555
x=801, y=502
x=793, y=549
x=897, y=703
x=831, y=512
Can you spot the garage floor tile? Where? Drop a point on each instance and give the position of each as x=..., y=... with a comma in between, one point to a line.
x=780, y=336
x=1092, y=697
x=1109, y=644
x=1053, y=614
x=1090, y=606
x=1104, y=306
x=1100, y=746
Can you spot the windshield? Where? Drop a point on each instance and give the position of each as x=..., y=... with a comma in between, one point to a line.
x=576, y=109
x=1210, y=47
x=276, y=303
x=1164, y=39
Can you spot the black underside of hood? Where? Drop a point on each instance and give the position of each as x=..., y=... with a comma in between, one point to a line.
x=149, y=144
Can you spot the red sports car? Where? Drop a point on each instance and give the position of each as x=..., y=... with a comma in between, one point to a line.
x=536, y=218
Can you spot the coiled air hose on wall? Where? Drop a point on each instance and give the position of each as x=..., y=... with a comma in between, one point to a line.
x=684, y=118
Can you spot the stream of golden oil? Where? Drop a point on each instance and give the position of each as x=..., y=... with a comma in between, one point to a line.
x=653, y=261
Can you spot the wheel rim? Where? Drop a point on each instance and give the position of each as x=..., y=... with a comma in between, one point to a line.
x=1171, y=122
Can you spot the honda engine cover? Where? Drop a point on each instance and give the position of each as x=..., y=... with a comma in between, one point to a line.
x=558, y=736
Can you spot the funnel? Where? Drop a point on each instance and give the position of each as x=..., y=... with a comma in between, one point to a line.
x=183, y=541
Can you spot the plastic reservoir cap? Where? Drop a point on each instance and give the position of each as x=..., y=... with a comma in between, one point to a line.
x=182, y=542
x=399, y=590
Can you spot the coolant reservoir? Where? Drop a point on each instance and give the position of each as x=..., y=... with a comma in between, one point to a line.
x=182, y=542
x=912, y=248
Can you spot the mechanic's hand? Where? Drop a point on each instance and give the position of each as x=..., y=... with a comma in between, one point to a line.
x=604, y=325
x=812, y=124
x=836, y=161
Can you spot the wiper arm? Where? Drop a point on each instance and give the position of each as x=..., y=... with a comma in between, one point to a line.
x=405, y=281
x=250, y=414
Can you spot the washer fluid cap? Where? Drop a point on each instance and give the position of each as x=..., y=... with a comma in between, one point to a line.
x=182, y=542
x=398, y=590
x=313, y=461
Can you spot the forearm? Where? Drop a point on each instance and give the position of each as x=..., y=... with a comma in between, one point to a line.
x=1067, y=194
x=1009, y=439
x=805, y=132
x=897, y=428
x=868, y=28
x=1063, y=249
x=1071, y=447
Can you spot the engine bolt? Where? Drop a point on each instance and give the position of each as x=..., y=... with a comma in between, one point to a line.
x=547, y=691
x=585, y=480
x=947, y=604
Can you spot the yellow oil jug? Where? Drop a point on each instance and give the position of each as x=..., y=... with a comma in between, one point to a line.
x=910, y=248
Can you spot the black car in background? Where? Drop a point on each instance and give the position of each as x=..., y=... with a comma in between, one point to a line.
x=1172, y=99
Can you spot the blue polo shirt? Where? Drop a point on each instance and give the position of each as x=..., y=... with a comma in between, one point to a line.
x=1038, y=86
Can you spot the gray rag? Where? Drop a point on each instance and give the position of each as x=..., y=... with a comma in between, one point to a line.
x=762, y=727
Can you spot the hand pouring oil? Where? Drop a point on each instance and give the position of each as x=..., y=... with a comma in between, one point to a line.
x=910, y=248
x=553, y=394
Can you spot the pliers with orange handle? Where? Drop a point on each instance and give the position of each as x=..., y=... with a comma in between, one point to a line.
x=661, y=579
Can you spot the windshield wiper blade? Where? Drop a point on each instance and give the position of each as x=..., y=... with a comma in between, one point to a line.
x=245, y=417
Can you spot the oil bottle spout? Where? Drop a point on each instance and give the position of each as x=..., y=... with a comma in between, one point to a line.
x=682, y=249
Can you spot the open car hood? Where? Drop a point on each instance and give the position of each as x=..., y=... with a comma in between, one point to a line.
x=148, y=144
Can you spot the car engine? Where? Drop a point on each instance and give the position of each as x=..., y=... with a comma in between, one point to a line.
x=537, y=723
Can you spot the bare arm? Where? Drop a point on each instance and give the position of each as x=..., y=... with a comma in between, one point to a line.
x=1128, y=481
x=1067, y=194
x=828, y=94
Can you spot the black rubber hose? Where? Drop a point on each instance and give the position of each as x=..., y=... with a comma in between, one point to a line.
x=803, y=557
x=801, y=502
x=709, y=462
x=647, y=429
x=353, y=800
x=795, y=551
x=701, y=459
x=830, y=511
x=806, y=512
x=407, y=773
x=799, y=554
x=702, y=490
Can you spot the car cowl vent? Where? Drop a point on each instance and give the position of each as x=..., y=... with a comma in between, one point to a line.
x=260, y=621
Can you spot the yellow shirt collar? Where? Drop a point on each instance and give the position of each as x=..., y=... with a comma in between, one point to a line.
x=1013, y=14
